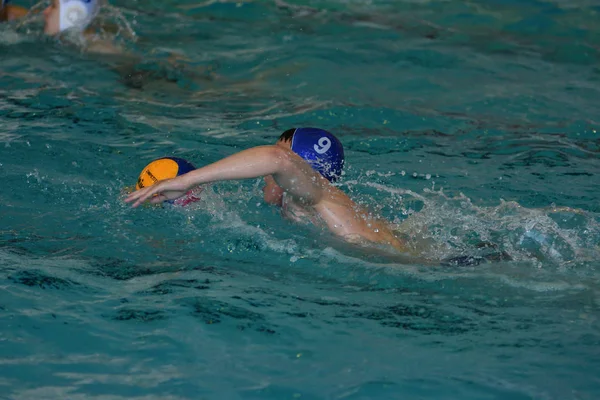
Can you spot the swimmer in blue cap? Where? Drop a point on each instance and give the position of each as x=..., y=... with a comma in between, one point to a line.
x=10, y=12
x=298, y=171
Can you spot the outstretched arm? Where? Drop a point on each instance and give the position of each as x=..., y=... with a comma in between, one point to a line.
x=288, y=169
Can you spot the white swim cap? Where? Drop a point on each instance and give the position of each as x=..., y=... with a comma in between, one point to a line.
x=77, y=13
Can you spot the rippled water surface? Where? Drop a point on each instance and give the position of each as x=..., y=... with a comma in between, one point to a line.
x=469, y=122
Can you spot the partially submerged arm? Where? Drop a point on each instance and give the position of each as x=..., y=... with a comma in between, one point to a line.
x=290, y=172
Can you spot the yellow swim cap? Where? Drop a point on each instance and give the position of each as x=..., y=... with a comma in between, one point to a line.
x=163, y=168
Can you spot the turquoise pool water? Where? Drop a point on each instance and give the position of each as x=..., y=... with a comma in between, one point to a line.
x=469, y=121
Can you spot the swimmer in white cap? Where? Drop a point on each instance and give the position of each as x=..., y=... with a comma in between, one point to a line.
x=75, y=20
x=76, y=17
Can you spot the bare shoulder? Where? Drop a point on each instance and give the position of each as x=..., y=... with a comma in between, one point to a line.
x=350, y=220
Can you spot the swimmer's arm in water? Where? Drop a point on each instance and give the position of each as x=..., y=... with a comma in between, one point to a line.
x=291, y=173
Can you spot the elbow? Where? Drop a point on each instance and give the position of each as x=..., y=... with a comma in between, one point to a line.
x=281, y=157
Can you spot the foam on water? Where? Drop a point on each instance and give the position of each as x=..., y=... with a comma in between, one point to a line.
x=556, y=235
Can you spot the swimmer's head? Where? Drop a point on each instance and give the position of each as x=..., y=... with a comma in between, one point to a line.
x=323, y=151
x=168, y=168
x=69, y=14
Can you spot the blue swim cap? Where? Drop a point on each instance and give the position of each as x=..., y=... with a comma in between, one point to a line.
x=323, y=151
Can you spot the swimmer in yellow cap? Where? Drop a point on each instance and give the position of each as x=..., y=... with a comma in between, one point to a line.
x=10, y=12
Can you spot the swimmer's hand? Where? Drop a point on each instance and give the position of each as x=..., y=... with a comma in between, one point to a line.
x=168, y=189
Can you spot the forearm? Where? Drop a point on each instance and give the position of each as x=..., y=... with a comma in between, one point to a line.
x=251, y=163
